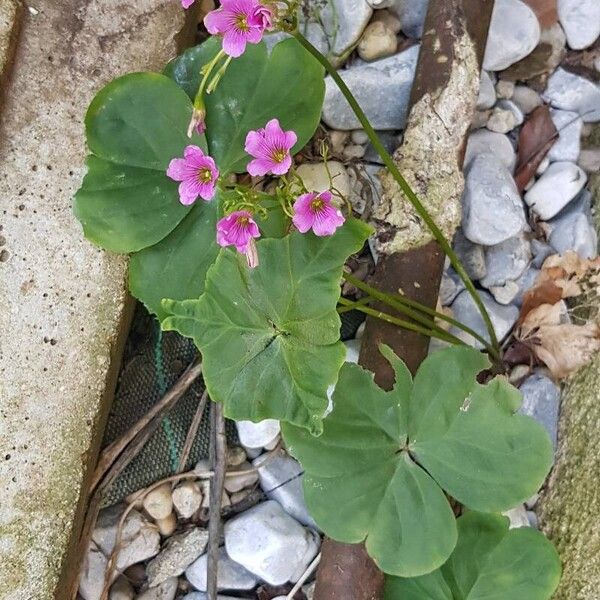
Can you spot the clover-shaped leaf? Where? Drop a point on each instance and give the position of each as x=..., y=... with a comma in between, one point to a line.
x=379, y=470
x=269, y=336
x=490, y=562
x=286, y=84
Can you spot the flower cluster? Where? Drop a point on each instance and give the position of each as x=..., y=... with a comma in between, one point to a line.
x=270, y=149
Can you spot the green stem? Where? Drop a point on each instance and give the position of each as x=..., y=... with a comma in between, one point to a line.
x=400, y=303
x=208, y=69
x=412, y=197
x=445, y=337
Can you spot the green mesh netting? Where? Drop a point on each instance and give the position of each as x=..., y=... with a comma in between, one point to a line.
x=152, y=363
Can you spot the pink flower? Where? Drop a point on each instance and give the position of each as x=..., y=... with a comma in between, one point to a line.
x=239, y=229
x=270, y=148
x=239, y=22
x=187, y=3
x=316, y=211
x=198, y=175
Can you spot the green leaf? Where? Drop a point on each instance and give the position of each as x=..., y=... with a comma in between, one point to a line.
x=286, y=84
x=269, y=336
x=489, y=458
x=369, y=475
x=177, y=265
x=135, y=126
x=490, y=562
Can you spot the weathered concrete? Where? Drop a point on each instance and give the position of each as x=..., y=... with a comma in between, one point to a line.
x=63, y=301
x=10, y=22
x=570, y=506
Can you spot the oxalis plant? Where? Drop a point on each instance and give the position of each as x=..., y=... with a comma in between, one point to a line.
x=250, y=268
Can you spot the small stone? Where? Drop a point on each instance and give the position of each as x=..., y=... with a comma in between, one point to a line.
x=365, y=186
x=518, y=373
x=568, y=91
x=344, y=21
x=533, y=519
x=505, y=89
x=541, y=168
x=492, y=207
x=450, y=286
x=568, y=145
x=309, y=590
x=526, y=98
x=230, y=575
x=485, y=141
x=140, y=540
x=159, y=503
x=514, y=32
x=541, y=400
x=560, y=183
x=121, y=589
x=360, y=137
x=382, y=88
x=525, y=283
x=281, y=480
x=256, y=435
x=472, y=256
x=93, y=570
x=589, y=160
x=236, y=483
x=270, y=543
x=506, y=261
x=517, y=516
x=236, y=456
x=487, y=93
x=379, y=4
x=203, y=596
x=505, y=116
x=480, y=119
x=572, y=229
x=390, y=141
x=167, y=526
x=465, y=310
x=505, y=294
x=391, y=21
x=377, y=42
x=412, y=15
x=354, y=152
x=316, y=179
x=272, y=445
x=338, y=141
x=178, y=554
x=165, y=591
x=581, y=21
x=541, y=251
x=187, y=498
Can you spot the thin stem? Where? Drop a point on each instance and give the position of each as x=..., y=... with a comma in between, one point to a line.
x=446, y=337
x=400, y=302
x=405, y=187
x=206, y=71
x=218, y=76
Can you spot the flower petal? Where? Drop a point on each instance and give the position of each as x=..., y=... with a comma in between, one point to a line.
x=178, y=169
x=234, y=43
x=188, y=192
x=218, y=21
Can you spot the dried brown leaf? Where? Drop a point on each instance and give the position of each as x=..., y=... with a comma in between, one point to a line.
x=536, y=137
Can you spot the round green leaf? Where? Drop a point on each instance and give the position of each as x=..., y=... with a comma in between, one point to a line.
x=490, y=562
x=286, y=84
x=360, y=482
x=134, y=126
x=269, y=336
x=488, y=457
x=176, y=267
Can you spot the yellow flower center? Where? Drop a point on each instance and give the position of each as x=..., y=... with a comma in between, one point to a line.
x=241, y=22
x=205, y=175
x=279, y=155
x=243, y=221
x=317, y=205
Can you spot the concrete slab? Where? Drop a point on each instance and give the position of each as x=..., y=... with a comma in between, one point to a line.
x=10, y=21
x=62, y=301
